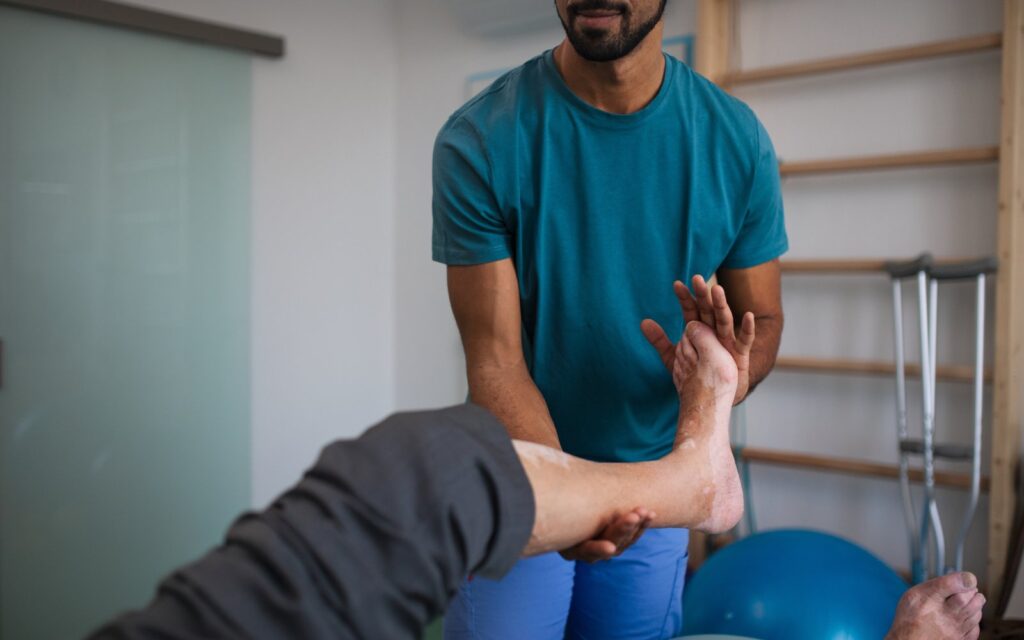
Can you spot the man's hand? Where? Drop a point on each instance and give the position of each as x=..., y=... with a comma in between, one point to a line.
x=708, y=305
x=618, y=536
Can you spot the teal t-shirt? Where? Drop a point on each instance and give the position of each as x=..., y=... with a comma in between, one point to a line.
x=601, y=213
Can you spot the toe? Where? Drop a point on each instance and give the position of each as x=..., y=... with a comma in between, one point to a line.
x=970, y=615
x=971, y=623
x=958, y=601
x=947, y=585
x=973, y=606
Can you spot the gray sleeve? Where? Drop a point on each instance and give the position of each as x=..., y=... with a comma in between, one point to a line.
x=372, y=543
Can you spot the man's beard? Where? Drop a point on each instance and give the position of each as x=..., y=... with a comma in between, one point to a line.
x=598, y=45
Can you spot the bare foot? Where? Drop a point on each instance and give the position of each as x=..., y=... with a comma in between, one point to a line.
x=944, y=608
x=705, y=377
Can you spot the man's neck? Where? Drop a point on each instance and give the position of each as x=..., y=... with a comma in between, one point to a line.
x=620, y=86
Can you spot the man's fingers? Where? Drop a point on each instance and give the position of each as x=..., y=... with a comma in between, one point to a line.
x=590, y=551
x=623, y=529
x=593, y=551
x=700, y=286
x=626, y=529
x=745, y=339
x=644, y=525
x=659, y=340
x=615, y=538
x=723, y=316
x=702, y=294
x=686, y=302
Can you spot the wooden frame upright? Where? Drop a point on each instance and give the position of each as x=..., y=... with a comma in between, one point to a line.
x=1007, y=404
x=713, y=48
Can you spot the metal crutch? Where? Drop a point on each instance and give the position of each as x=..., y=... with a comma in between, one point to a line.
x=976, y=270
x=900, y=271
x=927, y=443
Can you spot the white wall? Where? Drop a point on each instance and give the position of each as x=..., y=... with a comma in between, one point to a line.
x=323, y=201
x=435, y=57
x=950, y=211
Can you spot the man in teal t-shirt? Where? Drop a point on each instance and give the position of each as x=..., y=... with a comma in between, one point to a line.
x=568, y=197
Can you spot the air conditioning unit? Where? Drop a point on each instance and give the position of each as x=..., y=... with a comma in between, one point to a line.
x=504, y=17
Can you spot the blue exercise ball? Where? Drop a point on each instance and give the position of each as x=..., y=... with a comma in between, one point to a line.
x=793, y=584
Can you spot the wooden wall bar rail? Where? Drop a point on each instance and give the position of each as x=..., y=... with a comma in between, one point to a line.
x=970, y=44
x=856, y=467
x=950, y=373
x=968, y=155
x=851, y=266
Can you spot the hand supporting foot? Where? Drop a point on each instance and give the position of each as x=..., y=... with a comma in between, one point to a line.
x=708, y=304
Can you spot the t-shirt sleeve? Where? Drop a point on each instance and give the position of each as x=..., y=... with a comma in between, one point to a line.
x=468, y=225
x=762, y=234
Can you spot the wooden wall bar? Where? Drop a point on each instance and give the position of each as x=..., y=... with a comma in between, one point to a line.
x=970, y=44
x=968, y=155
x=948, y=373
x=854, y=467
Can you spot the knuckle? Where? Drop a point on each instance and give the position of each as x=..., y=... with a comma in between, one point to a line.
x=911, y=599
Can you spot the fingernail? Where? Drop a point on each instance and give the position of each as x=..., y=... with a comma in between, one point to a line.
x=968, y=579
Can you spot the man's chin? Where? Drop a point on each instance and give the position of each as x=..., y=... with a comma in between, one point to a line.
x=595, y=44
x=599, y=52
x=595, y=33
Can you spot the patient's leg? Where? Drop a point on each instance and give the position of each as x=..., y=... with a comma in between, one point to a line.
x=695, y=486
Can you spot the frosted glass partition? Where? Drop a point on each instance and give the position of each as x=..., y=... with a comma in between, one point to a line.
x=124, y=314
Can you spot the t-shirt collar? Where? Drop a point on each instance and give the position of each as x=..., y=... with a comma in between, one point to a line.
x=619, y=120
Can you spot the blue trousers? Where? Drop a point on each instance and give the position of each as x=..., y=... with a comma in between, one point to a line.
x=636, y=595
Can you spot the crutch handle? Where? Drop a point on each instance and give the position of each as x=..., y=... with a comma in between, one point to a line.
x=964, y=270
x=899, y=269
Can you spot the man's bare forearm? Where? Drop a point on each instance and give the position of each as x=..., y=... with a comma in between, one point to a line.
x=765, y=349
x=509, y=392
